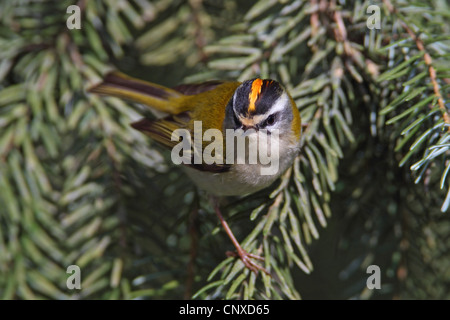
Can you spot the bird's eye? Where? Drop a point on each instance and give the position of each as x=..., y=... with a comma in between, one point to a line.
x=270, y=120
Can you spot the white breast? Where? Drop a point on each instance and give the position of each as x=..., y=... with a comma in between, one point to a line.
x=246, y=178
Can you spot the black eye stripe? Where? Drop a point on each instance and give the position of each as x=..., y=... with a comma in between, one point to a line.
x=270, y=120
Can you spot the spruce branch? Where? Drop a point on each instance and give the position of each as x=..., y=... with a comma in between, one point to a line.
x=428, y=61
x=78, y=186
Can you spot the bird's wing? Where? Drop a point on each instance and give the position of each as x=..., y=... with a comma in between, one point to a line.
x=196, y=88
x=164, y=132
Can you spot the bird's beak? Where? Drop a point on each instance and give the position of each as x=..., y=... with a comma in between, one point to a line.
x=248, y=123
x=245, y=128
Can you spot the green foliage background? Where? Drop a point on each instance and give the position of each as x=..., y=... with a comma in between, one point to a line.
x=371, y=185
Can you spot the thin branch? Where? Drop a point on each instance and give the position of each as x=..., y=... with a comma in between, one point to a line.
x=200, y=40
x=314, y=20
x=341, y=36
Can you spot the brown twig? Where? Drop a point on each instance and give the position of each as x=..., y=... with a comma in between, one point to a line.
x=319, y=8
x=341, y=36
x=428, y=61
x=314, y=20
x=200, y=40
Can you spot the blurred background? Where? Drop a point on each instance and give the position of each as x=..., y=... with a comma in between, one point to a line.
x=78, y=186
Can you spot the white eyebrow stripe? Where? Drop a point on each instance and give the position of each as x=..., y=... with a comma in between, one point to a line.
x=278, y=106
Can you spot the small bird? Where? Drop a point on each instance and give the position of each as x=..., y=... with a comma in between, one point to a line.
x=258, y=109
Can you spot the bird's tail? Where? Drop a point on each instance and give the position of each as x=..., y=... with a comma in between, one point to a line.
x=119, y=85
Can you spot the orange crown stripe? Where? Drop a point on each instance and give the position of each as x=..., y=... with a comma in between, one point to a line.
x=254, y=93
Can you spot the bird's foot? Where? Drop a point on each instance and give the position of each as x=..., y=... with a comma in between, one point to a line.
x=248, y=260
